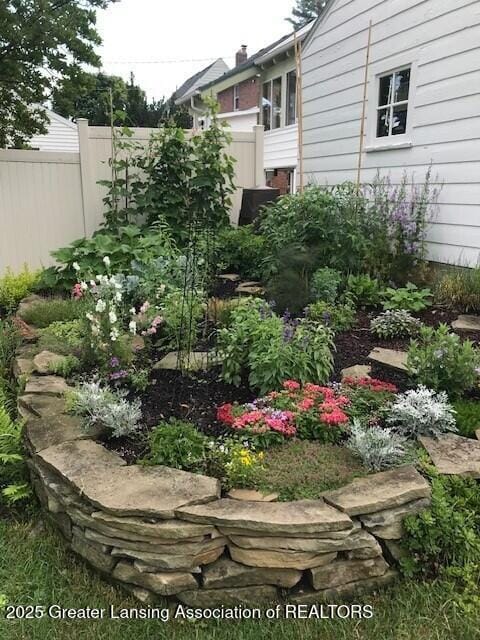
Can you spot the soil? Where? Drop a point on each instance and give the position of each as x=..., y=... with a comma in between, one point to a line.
x=195, y=398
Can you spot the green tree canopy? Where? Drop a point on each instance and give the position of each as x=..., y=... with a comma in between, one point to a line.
x=89, y=95
x=41, y=41
x=305, y=11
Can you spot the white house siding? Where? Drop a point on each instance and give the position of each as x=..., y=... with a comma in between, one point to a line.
x=241, y=120
x=62, y=136
x=443, y=38
x=281, y=147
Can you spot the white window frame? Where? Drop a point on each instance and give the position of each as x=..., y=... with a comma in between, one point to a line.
x=270, y=82
x=236, y=97
x=401, y=141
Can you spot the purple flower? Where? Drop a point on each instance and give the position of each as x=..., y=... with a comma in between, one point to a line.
x=114, y=362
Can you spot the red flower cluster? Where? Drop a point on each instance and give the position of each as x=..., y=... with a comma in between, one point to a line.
x=372, y=384
x=225, y=414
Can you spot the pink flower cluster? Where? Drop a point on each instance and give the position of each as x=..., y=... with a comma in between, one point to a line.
x=314, y=397
x=372, y=384
x=257, y=420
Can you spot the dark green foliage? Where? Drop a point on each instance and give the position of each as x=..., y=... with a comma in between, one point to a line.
x=325, y=284
x=177, y=444
x=41, y=315
x=241, y=250
x=448, y=533
x=9, y=341
x=364, y=290
x=467, y=417
x=339, y=317
x=305, y=11
x=41, y=41
x=289, y=288
x=410, y=298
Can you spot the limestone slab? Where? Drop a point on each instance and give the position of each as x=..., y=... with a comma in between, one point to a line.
x=357, y=372
x=280, y=559
x=477, y=434
x=278, y=538
x=388, y=524
x=45, y=361
x=454, y=455
x=42, y=406
x=345, y=571
x=207, y=598
x=345, y=591
x=225, y=573
x=104, y=480
x=390, y=357
x=164, y=584
x=42, y=433
x=277, y=518
x=27, y=303
x=467, y=323
x=196, y=361
x=380, y=491
x=358, y=540
x=229, y=277
x=171, y=562
x=98, y=557
x=250, y=495
x=23, y=367
x=47, y=385
x=165, y=529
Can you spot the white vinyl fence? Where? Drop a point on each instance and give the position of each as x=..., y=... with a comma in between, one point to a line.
x=48, y=199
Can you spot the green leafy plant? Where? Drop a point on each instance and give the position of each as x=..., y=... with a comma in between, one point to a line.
x=369, y=398
x=177, y=444
x=14, y=484
x=244, y=469
x=397, y=323
x=139, y=379
x=41, y=315
x=363, y=290
x=65, y=367
x=409, y=298
x=325, y=285
x=241, y=250
x=467, y=416
x=182, y=312
x=9, y=341
x=273, y=349
x=14, y=287
x=459, y=289
x=64, y=337
x=439, y=360
x=339, y=317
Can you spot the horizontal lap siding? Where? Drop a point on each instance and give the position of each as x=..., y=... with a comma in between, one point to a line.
x=281, y=148
x=444, y=38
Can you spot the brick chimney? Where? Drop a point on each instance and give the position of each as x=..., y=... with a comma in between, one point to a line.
x=241, y=55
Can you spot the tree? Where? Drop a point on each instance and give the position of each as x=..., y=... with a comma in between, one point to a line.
x=41, y=42
x=305, y=11
x=90, y=96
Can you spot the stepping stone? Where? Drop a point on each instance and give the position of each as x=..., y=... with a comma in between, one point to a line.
x=454, y=455
x=23, y=367
x=46, y=360
x=250, y=288
x=196, y=361
x=48, y=385
x=137, y=343
x=389, y=357
x=230, y=277
x=251, y=495
x=357, y=372
x=467, y=323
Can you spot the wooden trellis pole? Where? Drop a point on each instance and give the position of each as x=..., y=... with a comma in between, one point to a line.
x=364, y=108
x=298, y=61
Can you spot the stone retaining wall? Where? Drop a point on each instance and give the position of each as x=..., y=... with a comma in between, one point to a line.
x=158, y=531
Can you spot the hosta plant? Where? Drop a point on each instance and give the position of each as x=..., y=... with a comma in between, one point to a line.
x=397, y=323
x=378, y=448
x=422, y=412
x=410, y=298
x=440, y=360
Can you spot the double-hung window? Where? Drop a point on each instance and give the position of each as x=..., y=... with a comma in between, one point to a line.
x=272, y=104
x=236, y=97
x=393, y=103
x=291, y=113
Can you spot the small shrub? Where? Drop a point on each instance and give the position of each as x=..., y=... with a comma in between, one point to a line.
x=378, y=448
x=467, y=415
x=325, y=285
x=42, y=315
x=240, y=250
x=338, y=317
x=447, y=534
x=101, y=407
x=9, y=341
x=397, y=323
x=460, y=290
x=368, y=398
x=63, y=338
x=422, y=412
x=177, y=444
x=363, y=290
x=65, y=367
x=139, y=379
x=410, y=298
x=14, y=287
x=439, y=360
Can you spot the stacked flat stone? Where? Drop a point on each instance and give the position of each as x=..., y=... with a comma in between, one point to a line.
x=158, y=531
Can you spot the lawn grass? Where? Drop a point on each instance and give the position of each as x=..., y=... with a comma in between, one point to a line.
x=301, y=469
x=36, y=568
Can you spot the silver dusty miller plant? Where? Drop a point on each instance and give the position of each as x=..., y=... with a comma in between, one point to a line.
x=109, y=409
x=397, y=323
x=422, y=412
x=378, y=448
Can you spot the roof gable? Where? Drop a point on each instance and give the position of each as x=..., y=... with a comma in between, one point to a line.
x=209, y=73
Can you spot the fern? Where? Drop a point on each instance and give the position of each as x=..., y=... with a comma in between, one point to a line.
x=13, y=472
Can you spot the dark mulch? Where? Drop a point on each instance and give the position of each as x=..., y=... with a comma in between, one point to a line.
x=195, y=398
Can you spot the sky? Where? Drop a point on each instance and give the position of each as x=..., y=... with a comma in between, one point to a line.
x=179, y=37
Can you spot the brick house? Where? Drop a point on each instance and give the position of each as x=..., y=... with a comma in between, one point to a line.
x=261, y=89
